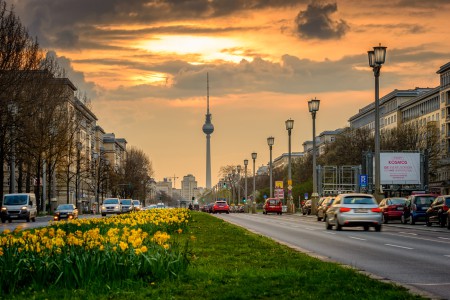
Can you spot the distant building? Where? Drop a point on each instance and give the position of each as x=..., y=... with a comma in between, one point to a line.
x=188, y=187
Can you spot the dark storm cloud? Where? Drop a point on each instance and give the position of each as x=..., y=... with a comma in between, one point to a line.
x=50, y=20
x=316, y=23
x=77, y=78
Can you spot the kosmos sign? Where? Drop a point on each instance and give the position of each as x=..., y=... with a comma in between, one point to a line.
x=400, y=168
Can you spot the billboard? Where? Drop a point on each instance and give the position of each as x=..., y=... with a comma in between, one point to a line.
x=399, y=168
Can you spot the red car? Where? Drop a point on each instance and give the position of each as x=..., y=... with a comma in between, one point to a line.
x=220, y=207
x=273, y=205
x=392, y=208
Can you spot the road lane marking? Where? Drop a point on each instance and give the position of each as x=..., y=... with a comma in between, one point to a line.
x=357, y=238
x=410, y=233
x=443, y=238
x=430, y=284
x=447, y=255
x=397, y=246
x=329, y=232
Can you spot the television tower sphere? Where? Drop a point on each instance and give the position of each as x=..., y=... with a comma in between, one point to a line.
x=208, y=128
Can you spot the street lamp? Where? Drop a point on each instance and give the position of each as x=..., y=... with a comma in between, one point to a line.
x=270, y=141
x=97, y=161
x=254, y=154
x=77, y=177
x=238, y=168
x=245, y=171
x=289, y=126
x=313, y=106
x=13, y=110
x=377, y=57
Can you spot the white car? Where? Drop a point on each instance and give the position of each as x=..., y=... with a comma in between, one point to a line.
x=111, y=206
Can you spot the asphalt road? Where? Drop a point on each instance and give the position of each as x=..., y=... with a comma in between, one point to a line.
x=415, y=256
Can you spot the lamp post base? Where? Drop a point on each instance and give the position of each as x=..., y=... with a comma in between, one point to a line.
x=314, y=201
x=290, y=206
x=254, y=208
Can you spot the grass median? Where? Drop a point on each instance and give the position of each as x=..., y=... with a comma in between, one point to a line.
x=229, y=262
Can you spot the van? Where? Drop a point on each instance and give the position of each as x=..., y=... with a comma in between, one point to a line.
x=19, y=206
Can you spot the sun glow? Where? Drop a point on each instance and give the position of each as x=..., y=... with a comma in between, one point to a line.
x=208, y=48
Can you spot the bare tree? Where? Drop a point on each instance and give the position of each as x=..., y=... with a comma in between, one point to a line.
x=18, y=55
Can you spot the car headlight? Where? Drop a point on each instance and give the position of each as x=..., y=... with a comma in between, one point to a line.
x=103, y=208
x=4, y=209
x=24, y=208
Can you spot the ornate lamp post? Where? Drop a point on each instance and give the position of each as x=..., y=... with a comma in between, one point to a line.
x=289, y=126
x=254, y=155
x=270, y=141
x=245, y=171
x=77, y=177
x=377, y=57
x=12, y=182
x=238, y=168
x=313, y=106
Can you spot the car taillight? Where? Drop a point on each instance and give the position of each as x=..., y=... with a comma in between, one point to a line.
x=445, y=208
x=344, y=209
x=376, y=209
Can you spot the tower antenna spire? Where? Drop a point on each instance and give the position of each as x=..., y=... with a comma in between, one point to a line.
x=207, y=93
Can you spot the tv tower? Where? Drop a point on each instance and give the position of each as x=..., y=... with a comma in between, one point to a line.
x=208, y=128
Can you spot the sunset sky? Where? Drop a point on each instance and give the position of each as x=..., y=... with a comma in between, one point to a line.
x=143, y=64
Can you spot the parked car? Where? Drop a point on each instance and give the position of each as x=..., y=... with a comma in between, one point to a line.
x=350, y=210
x=137, y=205
x=19, y=206
x=127, y=205
x=273, y=205
x=306, y=208
x=438, y=212
x=392, y=208
x=210, y=207
x=111, y=206
x=65, y=211
x=416, y=208
x=221, y=207
x=323, y=207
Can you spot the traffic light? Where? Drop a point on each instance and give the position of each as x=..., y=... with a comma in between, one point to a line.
x=244, y=200
x=225, y=185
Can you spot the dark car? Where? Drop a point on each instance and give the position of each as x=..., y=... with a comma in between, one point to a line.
x=438, y=212
x=416, y=208
x=65, y=211
x=273, y=205
x=324, y=206
x=221, y=207
x=306, y=208
x=392, y=208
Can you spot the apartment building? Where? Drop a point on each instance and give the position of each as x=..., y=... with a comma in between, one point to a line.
x=188, y=187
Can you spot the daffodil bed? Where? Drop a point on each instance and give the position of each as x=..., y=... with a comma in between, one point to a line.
x=80, y=253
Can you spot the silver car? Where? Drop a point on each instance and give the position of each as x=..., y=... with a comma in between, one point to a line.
x=111, y=206
x=351, y=210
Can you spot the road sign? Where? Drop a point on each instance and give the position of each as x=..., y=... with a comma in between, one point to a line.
x=278, y=184
x=306, y=196
x=289, y=182
x=290, y=187
x=279, y=193
x=265, y=196
x=363, y=180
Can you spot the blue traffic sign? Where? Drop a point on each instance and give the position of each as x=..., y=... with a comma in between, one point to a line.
x=363, y=180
